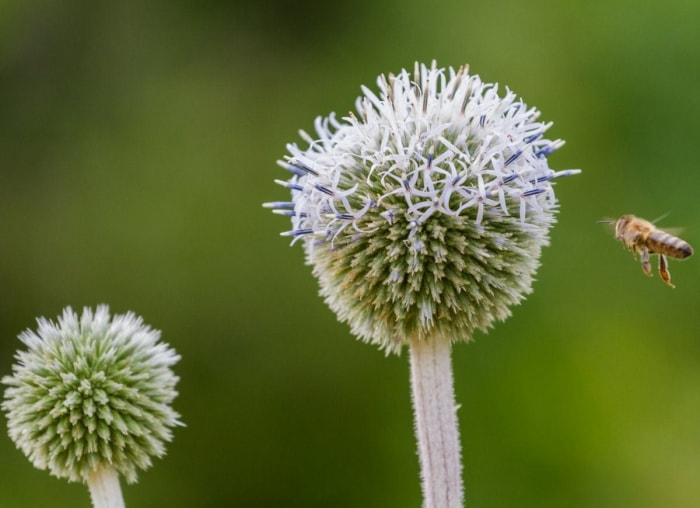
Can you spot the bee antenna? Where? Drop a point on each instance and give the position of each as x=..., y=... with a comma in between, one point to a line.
x=605, y=222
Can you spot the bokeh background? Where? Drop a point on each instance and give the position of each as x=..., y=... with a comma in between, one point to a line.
x=138, y=140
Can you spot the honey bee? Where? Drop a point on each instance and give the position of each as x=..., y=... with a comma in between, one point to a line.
x=641, y=236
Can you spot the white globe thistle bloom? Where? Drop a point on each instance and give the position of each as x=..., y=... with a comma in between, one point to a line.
x=92, y=393
x=424, y=217
x=424, y=214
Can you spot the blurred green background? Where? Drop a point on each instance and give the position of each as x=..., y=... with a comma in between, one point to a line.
x=137, y=143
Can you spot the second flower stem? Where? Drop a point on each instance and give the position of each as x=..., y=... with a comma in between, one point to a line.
x=104, y=488
x=437, y=431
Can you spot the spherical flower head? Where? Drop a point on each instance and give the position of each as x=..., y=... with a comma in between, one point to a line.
x=91, y=392
x=424, y=214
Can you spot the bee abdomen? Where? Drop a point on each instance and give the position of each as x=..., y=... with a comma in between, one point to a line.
x=663, y=243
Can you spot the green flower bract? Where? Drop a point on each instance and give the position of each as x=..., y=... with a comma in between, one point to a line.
x=92, y=391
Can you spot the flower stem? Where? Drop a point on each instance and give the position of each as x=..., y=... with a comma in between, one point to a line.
x=435, y=414
x=104, y=488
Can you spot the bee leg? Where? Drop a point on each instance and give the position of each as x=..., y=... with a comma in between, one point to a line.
x=646, y=266
x=663, y=271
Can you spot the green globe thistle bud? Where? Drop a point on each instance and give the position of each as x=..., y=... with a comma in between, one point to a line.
x=425, y=214
x=91, y=393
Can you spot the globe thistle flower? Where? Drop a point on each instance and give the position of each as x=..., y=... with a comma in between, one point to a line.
x=89, y=399
x=426, y=212
x=423, y=217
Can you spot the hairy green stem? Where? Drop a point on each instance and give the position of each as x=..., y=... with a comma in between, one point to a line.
x=437, y=431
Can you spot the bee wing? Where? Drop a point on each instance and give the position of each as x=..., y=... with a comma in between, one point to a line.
x=673, y=231
x=661, y=217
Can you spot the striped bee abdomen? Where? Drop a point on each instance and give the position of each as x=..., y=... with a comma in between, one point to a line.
x=660, y=242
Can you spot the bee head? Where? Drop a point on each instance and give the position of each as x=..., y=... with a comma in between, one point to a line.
x=621, y=224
